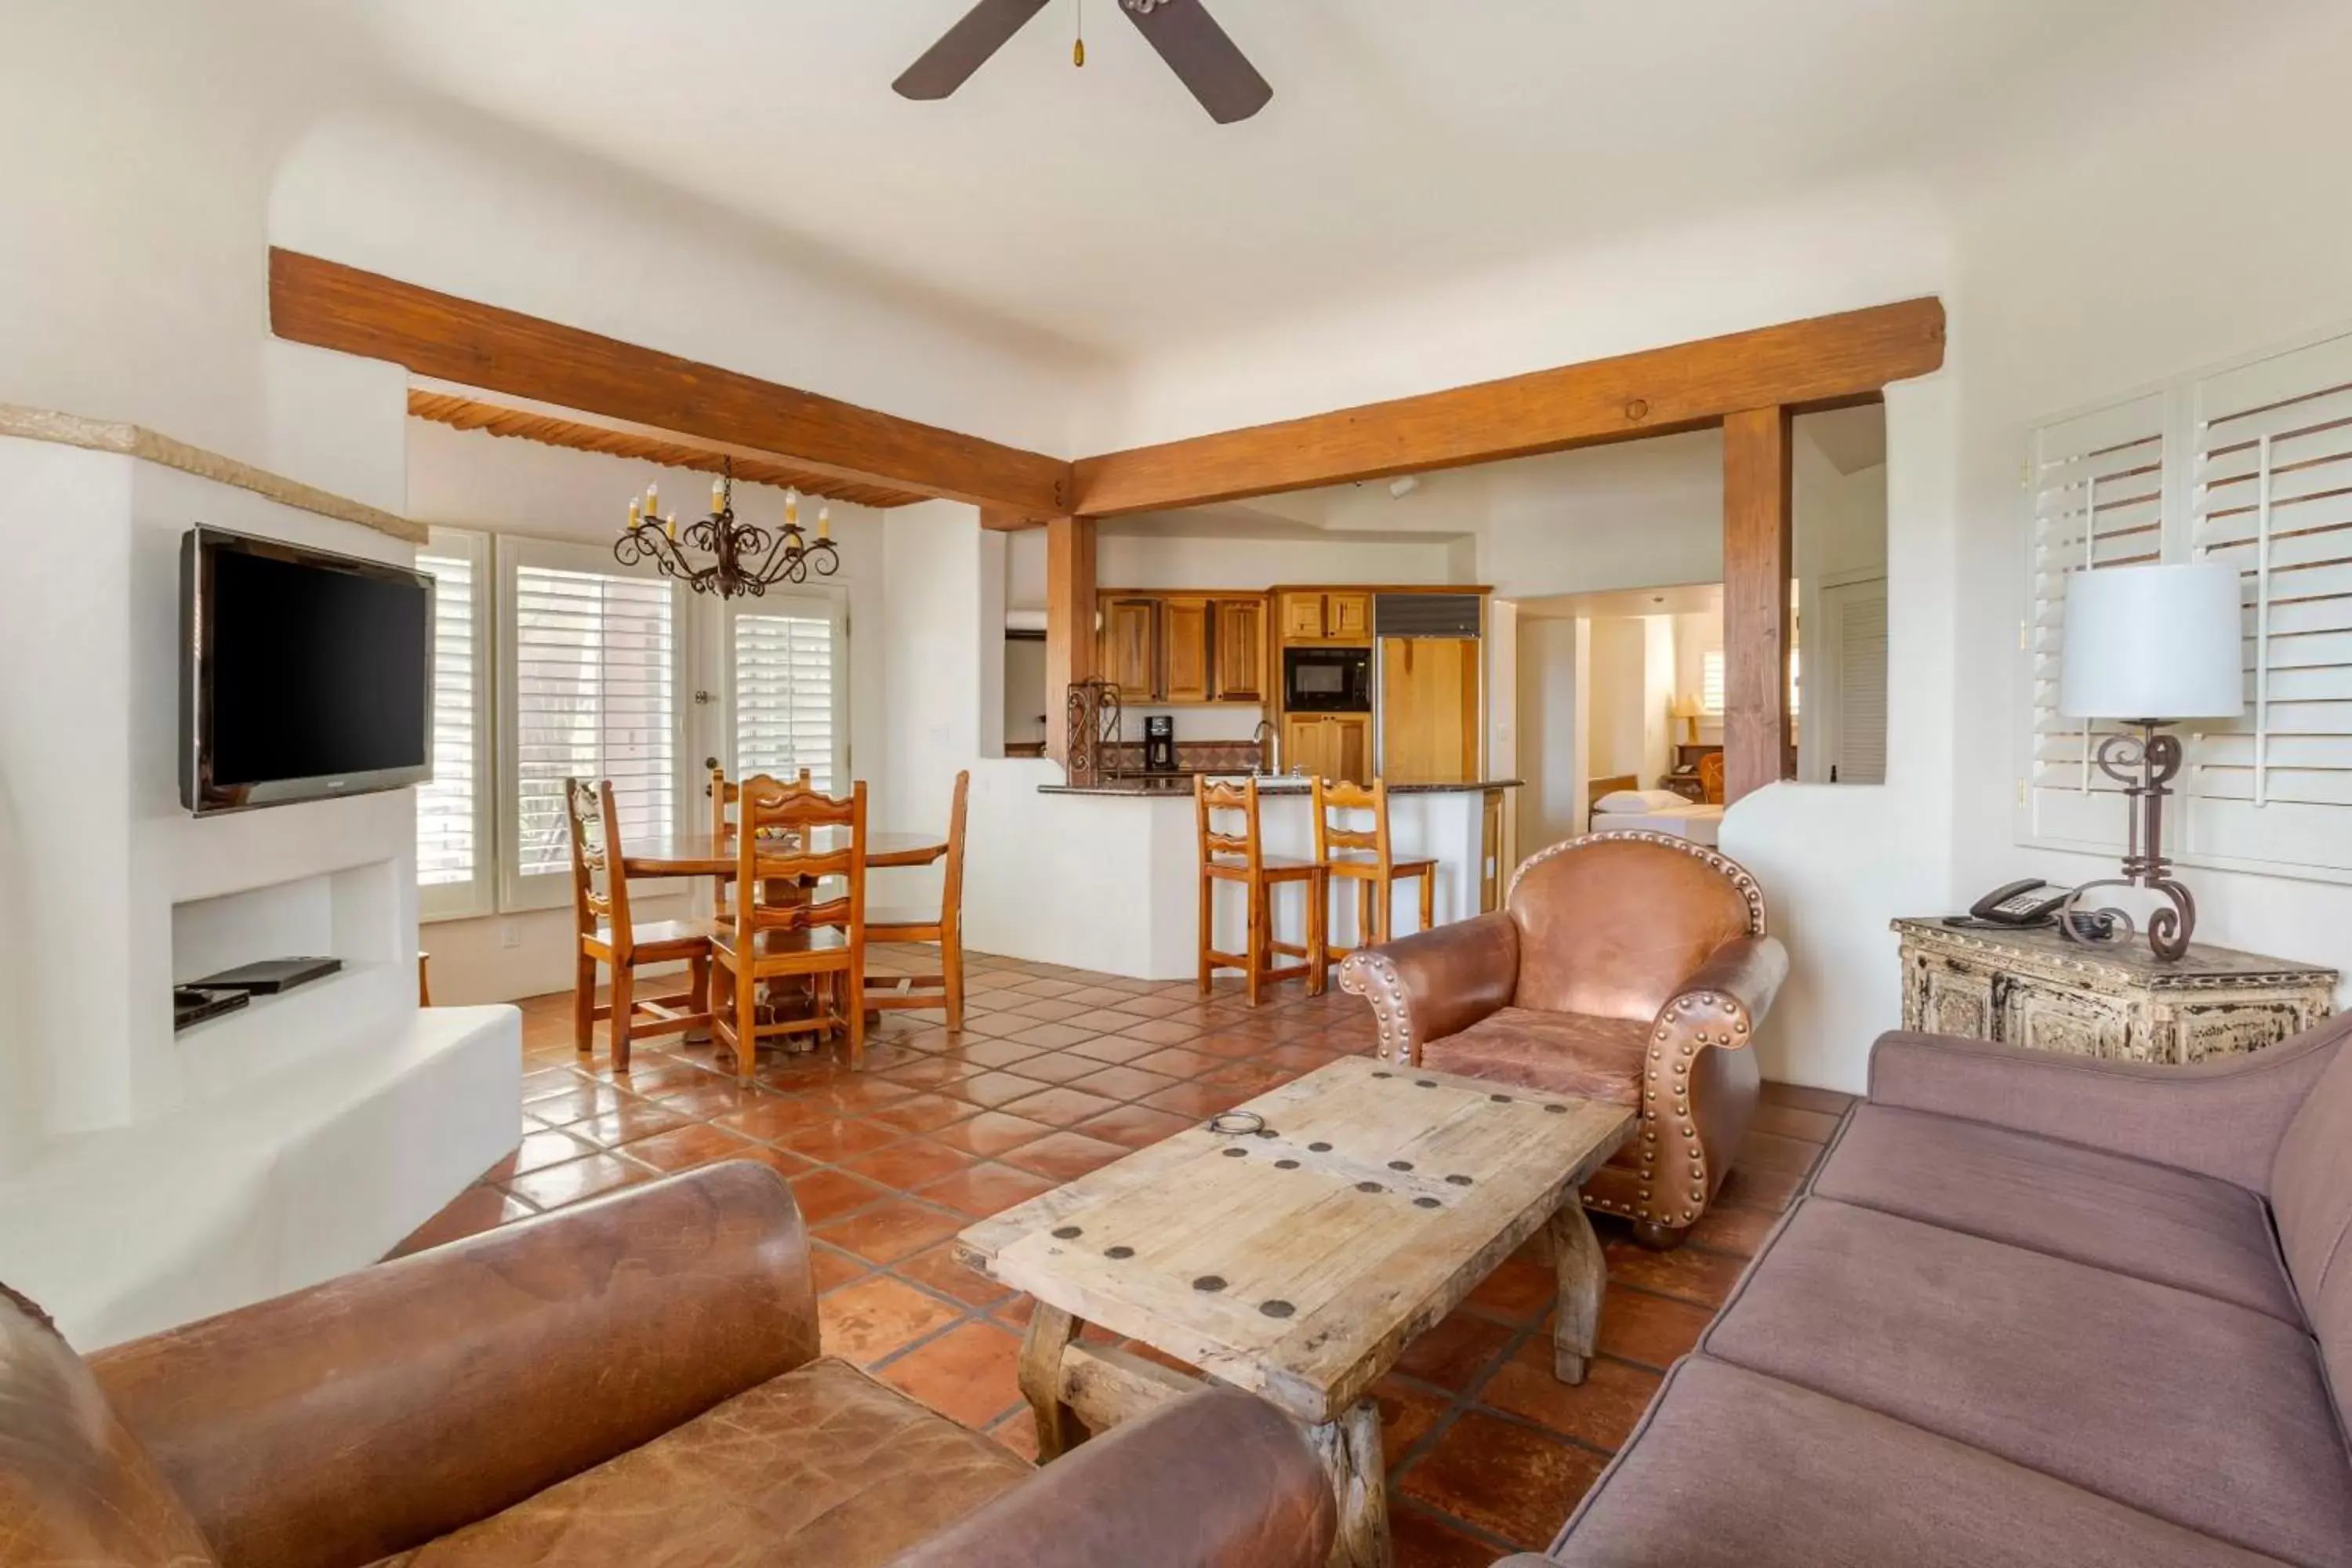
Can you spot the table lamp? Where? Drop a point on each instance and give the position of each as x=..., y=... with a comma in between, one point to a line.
x=2149, y=646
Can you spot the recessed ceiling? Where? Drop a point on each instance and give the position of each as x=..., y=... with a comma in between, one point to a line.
x=1408, y=142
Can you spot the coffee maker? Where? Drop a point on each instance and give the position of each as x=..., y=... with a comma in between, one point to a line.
x=1159, y=743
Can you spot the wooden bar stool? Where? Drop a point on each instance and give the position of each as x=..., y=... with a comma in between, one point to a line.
x=1258, y=873
x=1367, y=860
x=943, y=925
x=608, y=935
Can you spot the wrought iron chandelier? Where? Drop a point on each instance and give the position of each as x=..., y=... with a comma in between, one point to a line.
x=721, y=555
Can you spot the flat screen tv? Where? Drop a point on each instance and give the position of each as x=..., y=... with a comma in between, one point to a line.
x=304, y=676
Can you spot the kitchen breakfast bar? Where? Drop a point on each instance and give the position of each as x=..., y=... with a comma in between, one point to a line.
x=1114, y=866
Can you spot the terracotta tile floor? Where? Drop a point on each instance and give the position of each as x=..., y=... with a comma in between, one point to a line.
x=1058, y=1072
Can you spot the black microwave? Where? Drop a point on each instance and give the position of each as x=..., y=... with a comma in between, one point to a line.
x=1327, y=679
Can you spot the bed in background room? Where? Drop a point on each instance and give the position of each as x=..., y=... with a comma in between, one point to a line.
x=1655, y=811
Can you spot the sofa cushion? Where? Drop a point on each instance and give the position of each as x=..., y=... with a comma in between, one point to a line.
x=822, y=1467
x=2151, y=1222
x=2311, y=1191
x=2200, y=1412
x=1565, y=1053
x=1733, y=1469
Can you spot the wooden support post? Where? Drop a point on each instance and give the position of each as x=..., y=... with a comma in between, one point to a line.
x=1758, y=559
x=1069, y=621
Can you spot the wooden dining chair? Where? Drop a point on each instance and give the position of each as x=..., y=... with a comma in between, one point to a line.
x=943, y=926
x=778, y=830
x=1365, y=857
x=610, y=936
x=1241, y=857
x=723, y=797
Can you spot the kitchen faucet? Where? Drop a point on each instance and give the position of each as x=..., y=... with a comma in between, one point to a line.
x=1263, y=737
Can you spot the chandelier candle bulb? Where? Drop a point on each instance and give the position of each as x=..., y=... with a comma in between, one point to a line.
x=824, y=522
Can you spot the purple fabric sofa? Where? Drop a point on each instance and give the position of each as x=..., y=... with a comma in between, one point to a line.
x=2032, y=1310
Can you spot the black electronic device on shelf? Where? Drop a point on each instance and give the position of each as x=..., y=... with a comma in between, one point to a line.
x=270, y=977
x=195, y=1003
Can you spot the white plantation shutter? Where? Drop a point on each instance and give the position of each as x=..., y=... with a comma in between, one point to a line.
x=788, y=690
x=453, y=858
x=1710, y=682
x=2271, y=494
x=591, y=663
x=1861, y=653
x=2097, y=486
x=2258, y=468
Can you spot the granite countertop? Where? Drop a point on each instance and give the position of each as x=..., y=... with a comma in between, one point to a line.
x=1179, y=786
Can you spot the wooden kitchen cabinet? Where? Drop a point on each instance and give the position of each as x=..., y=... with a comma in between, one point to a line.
x=1327, y=618
x=1184, y=631
x=1129, y=648
x=1239, y=628
x=1430, y=710
x=1302, y=618
x=1336, y=746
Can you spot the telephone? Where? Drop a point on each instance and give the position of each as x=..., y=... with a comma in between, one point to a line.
x=2030, y=902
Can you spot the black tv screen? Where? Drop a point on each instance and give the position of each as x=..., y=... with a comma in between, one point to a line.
x=306, y=674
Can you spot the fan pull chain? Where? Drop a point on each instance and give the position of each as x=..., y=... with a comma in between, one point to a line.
x=1078, y=49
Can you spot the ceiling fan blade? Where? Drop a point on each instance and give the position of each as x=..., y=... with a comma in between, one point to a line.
x=1203, y=59
x=948, y=64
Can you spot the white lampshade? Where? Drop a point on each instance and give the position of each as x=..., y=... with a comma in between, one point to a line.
x=2153, y=642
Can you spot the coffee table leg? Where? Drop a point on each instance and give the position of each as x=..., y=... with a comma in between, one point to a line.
x=1582, y=1278
x=1349, y=1448
x=1051, y=1329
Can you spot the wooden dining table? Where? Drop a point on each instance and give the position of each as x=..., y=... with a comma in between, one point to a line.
x=708, y=855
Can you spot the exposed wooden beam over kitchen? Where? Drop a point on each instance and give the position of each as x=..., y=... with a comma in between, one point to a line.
x=329, y=305
x=1069, y=620
x=1802, y=365
x=1757, y=561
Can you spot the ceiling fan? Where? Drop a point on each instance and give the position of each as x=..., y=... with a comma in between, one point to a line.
x=1186, y=35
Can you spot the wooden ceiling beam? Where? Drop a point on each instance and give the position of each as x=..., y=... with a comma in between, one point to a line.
x=329, y=305
x=468, y=410
x=1823, y=362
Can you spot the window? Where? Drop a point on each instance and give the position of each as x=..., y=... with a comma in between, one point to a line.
x=1710, y=695
x=788, y=689
x=2251, y=464
x=453, y=809
x=590, y=670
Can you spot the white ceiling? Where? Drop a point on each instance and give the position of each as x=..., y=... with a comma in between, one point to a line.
x=1408, y=141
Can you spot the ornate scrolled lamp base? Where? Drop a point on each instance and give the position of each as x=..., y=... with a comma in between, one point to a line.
x=2146, y=764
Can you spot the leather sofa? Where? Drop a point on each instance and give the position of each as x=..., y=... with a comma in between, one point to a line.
x=632, y=1381
x=1630, y=967
x=2031, y=1310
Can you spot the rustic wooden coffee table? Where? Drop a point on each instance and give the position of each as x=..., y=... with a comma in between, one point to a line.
x=1293, y=1247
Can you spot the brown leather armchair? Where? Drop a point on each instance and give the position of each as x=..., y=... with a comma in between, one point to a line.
x=635, y=1380
x=1629, y=967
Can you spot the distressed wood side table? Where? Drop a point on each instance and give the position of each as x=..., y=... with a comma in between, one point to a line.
x=2036, y=989
x=1292, y=1248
